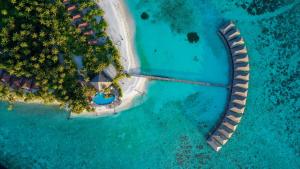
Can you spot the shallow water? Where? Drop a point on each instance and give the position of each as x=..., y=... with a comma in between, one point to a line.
x=168, y=129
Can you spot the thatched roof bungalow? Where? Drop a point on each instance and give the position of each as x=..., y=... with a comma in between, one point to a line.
x=6, y=78
x=101, y=82
x=26, y=84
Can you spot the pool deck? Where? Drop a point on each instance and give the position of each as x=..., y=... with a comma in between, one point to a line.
x=239, y=87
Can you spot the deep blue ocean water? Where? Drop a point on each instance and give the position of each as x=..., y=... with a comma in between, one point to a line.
x=168, y=128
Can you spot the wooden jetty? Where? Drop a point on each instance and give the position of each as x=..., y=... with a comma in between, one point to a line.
x=239, y=87
x=170, y=79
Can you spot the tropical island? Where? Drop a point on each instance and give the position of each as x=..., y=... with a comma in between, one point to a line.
x=59, y=52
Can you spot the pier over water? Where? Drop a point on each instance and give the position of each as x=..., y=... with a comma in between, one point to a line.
x=171, y=79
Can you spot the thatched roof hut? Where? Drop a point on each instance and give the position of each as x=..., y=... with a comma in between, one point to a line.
x=5, y=78
x=26, y=84
x=101, y=82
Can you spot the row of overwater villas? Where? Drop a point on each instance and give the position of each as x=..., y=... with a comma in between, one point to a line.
x=18, y=83
x=84, y=27
x=239, y=87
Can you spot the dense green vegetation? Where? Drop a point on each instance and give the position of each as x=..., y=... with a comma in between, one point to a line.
x=38, y=41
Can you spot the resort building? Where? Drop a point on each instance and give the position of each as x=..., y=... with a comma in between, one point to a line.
x=71, y=8
x=89, y=33
x=93, y=42
x=110, y=71
x=18, y=83
x=83, y=25
x=5, y=78
x=76, y=17
x=101, y=82
x=26, y=84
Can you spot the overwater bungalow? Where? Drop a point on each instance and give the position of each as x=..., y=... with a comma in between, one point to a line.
x=242, y=77
x=241, y=60
x=225, y=132
x=220, y=138
x=237, y=110
x=237, y=65
x=214, y=144
x=233, y=35
x=236, y=97
x=241, y=102
x=243, y=86
x=240, y=56
x=240, y=93
x=239, y=52
x=237, y=43
x=228, y=125
x=243, y=68
x=225, y=29
x=233, y=117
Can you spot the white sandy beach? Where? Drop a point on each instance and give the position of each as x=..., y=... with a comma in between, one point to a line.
x=121, y=30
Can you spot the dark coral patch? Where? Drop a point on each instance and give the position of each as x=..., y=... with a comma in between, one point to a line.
x=145, y=16
x=193, y=37
x=258, y=7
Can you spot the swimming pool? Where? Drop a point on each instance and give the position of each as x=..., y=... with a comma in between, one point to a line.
x=100, y=99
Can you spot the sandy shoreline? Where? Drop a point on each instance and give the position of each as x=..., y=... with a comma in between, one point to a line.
x=121, y=30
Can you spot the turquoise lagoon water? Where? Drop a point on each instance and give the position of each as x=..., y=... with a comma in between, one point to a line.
x=101, y=100
x=168, y=127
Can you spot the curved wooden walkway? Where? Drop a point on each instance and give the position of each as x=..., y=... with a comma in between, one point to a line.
x=239, y=87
